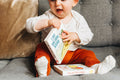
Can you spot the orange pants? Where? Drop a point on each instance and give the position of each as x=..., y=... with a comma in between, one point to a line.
x=79, y=56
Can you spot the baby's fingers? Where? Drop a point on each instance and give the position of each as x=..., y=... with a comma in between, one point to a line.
x=66, y=32
x=64, y=36
x=69, y=42
x=65, y=40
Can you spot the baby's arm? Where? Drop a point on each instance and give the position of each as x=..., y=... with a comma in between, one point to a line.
x=44, y=23
x=41, y=24
x=84, y=32
x=36, y=24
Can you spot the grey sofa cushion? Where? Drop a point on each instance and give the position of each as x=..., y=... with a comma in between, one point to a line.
x=116, y=22
x=98, y=14
x=3, y=63
x=23, y=69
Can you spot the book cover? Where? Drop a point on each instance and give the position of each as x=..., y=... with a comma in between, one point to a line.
x=55, y=44
x=73, y=69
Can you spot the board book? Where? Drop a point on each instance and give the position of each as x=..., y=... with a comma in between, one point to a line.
x=73, y=69
x=55, y=44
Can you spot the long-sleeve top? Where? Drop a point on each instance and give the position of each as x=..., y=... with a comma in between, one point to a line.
x=77, y=24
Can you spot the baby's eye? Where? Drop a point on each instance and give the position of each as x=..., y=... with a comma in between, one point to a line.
x=62, y=0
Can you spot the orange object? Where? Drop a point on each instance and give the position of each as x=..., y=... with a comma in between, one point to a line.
x=79, y=56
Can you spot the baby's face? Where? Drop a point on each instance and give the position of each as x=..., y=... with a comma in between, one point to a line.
x=61, y=8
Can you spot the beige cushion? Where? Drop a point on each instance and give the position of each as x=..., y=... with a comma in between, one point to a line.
x=14, y=39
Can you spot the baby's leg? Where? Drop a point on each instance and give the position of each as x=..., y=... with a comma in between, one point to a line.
x=42, y=60
x=105, y=66
x=83, y=56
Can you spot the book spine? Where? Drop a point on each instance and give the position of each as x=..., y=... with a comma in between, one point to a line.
x=66, y=73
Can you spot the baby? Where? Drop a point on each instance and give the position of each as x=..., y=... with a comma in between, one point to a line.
x=76, y=33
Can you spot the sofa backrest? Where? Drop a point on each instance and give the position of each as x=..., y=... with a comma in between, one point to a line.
x=102, y=16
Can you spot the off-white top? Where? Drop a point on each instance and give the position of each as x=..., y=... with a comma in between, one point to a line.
x=77, y=24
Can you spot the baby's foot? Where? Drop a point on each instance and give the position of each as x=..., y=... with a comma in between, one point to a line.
x=107, y=65
x=41, y=66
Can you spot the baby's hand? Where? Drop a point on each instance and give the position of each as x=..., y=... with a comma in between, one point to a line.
x=54, y=22
x=70, y=37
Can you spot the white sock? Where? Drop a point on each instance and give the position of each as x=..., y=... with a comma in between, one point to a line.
x=105, y=66
x=41, y=66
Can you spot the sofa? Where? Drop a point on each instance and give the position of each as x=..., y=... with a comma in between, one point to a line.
x=17, y=48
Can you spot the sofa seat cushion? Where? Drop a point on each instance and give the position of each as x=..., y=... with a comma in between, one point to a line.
x=23, y=69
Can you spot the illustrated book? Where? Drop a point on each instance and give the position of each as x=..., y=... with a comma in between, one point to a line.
x=73, y=69
x=55, y=44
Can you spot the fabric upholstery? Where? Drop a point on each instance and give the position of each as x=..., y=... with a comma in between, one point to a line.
x=14, y=39
x=116, y=22
x=104, y=20
x=23, y=69
x=98, y=13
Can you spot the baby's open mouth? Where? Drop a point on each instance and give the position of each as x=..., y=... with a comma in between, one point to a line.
x=59, y=11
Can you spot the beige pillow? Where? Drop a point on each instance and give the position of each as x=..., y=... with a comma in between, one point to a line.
x=14, y=39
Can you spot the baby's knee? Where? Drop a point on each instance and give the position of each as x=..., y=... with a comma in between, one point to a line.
x=90, y=53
